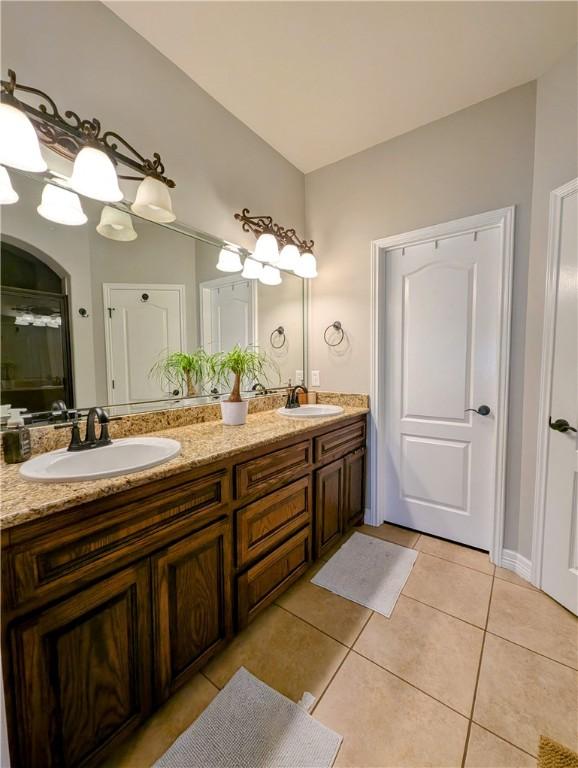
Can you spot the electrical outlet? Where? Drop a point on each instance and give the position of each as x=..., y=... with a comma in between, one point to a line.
x=314, y=378
x=298, y=376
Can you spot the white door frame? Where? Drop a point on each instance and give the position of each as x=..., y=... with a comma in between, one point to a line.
x=219, y=282
x=504, y=219
x=552, y=270
x=106, y=288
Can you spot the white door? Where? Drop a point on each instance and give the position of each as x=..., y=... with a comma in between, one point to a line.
x=226, y=314
x=558, y=468
x=143, y=324
x=443, y=329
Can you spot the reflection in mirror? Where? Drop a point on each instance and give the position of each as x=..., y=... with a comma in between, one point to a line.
x=120, y=310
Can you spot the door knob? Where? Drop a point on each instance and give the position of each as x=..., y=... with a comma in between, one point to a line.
x=483, y=410
x=561, y=425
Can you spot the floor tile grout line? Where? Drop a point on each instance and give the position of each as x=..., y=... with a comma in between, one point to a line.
x=467, y=742
x=203, y=673
x=309, y=624
x=497, y=735
x=349, y=650
x=531, y=650
x=528, y=586
x=408, y=682
x=440, y=610
x=454, y=562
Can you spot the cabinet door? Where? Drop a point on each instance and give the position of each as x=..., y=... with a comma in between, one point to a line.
x=328, y=505
x=192, y=604
x=354, y=506
x=82, y=672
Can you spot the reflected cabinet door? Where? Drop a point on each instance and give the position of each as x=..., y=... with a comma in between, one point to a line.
x=192, y=604
x=81, y=672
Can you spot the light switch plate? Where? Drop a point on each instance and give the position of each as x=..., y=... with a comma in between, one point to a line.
x=314, y=378
x=298, y=376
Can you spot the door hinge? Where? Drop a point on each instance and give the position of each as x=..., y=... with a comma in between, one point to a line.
x=110, y=311
x=113, y=383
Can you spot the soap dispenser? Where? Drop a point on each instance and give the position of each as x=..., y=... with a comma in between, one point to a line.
x=16, y=439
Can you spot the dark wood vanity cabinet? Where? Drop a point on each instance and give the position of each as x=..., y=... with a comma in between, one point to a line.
x=111, y=606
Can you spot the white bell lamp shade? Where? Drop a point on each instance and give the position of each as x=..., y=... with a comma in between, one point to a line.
x=61, y=206
x=307, y=265
x=267, y=248
x=229, y=261
x=289, y=257
x=153, y=201
x=19, y=147
x=270, y=275
x=116, y=225
x=93, y=175
x=251, y=269
x=8, y=194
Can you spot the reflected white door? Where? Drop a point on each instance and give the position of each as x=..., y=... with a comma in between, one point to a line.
x=443, y=326
x=143, y=324
x=227, y=314
x=558, y=472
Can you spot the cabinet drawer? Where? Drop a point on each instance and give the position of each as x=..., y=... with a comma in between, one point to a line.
x=265, y=523
x=339, y=441
x=266, y=580
x=84, y=550
x=272, y=469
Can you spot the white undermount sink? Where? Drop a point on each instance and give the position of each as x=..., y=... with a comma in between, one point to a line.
x=130, y=454
x=311, y=411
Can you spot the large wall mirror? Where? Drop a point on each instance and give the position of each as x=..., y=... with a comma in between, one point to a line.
x=89, y=313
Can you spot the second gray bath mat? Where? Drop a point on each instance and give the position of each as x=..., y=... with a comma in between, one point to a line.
x=250, y=725
x=368, y=571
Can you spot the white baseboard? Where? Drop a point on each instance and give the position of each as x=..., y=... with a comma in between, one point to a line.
x=517, y=563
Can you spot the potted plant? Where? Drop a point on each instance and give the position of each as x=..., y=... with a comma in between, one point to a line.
x=184, y=371
x=241, y=363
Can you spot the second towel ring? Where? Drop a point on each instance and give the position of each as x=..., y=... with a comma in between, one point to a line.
x=280, y=331
x=336, y=327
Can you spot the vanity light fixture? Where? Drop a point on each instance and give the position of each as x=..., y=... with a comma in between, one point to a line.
x=8, y=194
x=270, y=236
x=96, y=153
x=61, y=206
x=251, y=269
x=116, y=225
x=270, y=275
x=229, y=261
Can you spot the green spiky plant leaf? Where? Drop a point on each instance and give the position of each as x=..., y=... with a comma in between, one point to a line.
x=184, y=370
x=244, y=363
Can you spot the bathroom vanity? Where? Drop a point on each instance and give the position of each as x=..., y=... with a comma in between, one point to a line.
x=116, y=592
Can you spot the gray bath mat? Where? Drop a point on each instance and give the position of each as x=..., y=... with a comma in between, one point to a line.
x=368, y=571
x=250, y=725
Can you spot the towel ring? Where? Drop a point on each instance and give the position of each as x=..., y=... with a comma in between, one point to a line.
x=336, y=327
x=280, y=331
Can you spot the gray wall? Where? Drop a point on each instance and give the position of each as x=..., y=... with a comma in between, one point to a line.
x=555, y=162
x=475, y=160
x=90, y=61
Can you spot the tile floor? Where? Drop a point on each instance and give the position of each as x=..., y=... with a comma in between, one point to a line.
x=473, y=665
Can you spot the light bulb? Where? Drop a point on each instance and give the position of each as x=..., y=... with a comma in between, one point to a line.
x=116, y=225
x=19, y=147
x=8, y=195
x=307, y=265
x=267, y=248
x=251, y=269
x=289, y=257
x=93, y=175
x=61, y=205
x=270, y=275
x=153, y=201
x=229, y=261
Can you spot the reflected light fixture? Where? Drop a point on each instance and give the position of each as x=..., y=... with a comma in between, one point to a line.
x=270, y=275
x=251, y=269
x=93, y=175
x=19, y=147
x=8, y=194
x=116, y=225
x=229, y=261
x=289, y=257
x=307, y=265
x=153, y=201
x=61, y=206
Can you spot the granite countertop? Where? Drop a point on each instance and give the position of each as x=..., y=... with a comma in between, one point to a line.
x=204, y=443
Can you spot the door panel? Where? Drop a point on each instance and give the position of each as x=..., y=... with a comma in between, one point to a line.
x=354, y=507
x=442, y=357
x=560, y=554
x=328, y=506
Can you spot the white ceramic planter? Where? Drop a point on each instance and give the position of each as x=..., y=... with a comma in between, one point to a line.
x=234, y=414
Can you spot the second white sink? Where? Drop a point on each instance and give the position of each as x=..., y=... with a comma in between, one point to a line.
x=130, y=454
x=308, y=411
